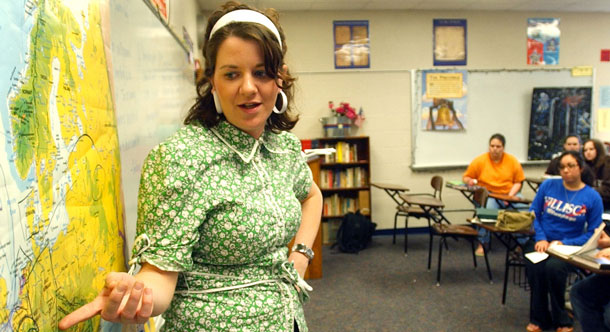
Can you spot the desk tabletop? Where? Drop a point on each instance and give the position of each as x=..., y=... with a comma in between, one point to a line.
x=428, y=201
x=492, y=228
x=389, y=186
x=461, y=187
x=535, y=179
x=509, y=198
x=579, y=264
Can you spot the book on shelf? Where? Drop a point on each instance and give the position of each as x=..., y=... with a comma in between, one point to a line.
x=337, y=205
x=344, y=152
x=329, y=231
x=353, y=177
x=364, y=202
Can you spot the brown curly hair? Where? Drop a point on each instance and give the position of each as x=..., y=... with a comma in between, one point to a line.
x=204, y=110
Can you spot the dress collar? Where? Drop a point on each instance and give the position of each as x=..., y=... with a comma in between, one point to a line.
x=244, y=145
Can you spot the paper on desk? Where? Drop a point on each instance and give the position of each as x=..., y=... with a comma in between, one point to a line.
x=318, y=152
x=536, y=257
x=565, y=249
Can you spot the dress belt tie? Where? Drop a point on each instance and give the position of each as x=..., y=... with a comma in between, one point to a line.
x=285, y=274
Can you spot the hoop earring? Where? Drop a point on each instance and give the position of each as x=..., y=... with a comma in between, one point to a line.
x=284, y=104
x=217, y=103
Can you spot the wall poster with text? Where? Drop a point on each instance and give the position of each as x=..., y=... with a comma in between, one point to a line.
x=556, y=113
x=543, y=41
x=352, y=44
x=449, y=42
x=444, y=97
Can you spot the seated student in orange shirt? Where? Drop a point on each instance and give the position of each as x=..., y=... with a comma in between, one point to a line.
x=498, y=172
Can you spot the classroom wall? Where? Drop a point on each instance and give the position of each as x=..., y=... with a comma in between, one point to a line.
x=151, y=76
x=184, y=13
x=400, y=41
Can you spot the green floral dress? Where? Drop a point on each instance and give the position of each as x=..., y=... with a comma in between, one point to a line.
x=220, y=207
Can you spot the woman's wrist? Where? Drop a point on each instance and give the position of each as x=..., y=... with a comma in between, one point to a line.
x=304, y=250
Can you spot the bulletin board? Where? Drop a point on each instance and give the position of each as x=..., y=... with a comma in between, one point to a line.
x=499, y=101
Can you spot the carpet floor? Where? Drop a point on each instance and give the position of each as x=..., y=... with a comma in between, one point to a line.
x=381, y=289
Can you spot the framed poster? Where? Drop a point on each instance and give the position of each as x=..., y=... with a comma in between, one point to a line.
x=556, y=113
x=352, y=45
x=543, y=41
x=449, y=42
x=444, y=100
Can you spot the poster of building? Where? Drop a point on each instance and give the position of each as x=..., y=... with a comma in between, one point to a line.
x=543, y=41
x=556, y=113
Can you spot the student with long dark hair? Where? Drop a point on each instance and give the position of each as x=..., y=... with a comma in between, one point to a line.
x=567, y=212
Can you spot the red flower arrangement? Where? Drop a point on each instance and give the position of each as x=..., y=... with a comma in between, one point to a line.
x=344, y=109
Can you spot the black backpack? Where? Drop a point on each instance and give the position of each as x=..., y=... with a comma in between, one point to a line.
x=355, y=232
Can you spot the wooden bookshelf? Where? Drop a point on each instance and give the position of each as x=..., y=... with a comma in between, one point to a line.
x=344, y=180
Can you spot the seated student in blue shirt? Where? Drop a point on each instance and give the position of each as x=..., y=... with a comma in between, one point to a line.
x=567, y=212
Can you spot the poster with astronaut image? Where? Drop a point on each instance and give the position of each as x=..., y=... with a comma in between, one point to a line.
x=556, y=113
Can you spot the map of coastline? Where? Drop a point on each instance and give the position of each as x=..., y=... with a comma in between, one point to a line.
x=60, y=186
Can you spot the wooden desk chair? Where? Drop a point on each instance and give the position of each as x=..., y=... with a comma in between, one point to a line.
x=407, y=211
x=445, y=231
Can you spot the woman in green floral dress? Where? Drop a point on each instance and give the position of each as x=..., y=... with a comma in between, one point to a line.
x=220, y=200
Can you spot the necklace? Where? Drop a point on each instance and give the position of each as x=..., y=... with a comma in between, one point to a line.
x=569, y=200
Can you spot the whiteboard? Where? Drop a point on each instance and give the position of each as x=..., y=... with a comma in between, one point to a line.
x=153, y=88
x=499, y=101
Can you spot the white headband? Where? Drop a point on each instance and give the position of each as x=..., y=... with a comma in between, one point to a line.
x=246, y=15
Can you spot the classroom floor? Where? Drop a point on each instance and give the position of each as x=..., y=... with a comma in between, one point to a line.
x=381, y=289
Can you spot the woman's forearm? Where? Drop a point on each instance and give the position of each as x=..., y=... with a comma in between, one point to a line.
x=515, y=189
x=311, y=209
x=162, y=283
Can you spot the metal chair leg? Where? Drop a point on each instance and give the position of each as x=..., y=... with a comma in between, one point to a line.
x=506, y=267
x=474, y=257
x=406, y=232
x=487, y=265
x=430, y=249
x=395, y=220
x=440, y=258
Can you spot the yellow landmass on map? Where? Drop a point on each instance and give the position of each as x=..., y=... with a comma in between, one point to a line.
x=64, y=126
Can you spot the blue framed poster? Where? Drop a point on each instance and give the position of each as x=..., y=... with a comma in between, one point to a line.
x=352, y=44
x=449, y=46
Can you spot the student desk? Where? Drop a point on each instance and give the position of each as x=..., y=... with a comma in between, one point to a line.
x=511, y=200
x=534, y=182
x=514, y=250
x=466, y=190
x=432, y=206
x=393, y=190
x=580, y=265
